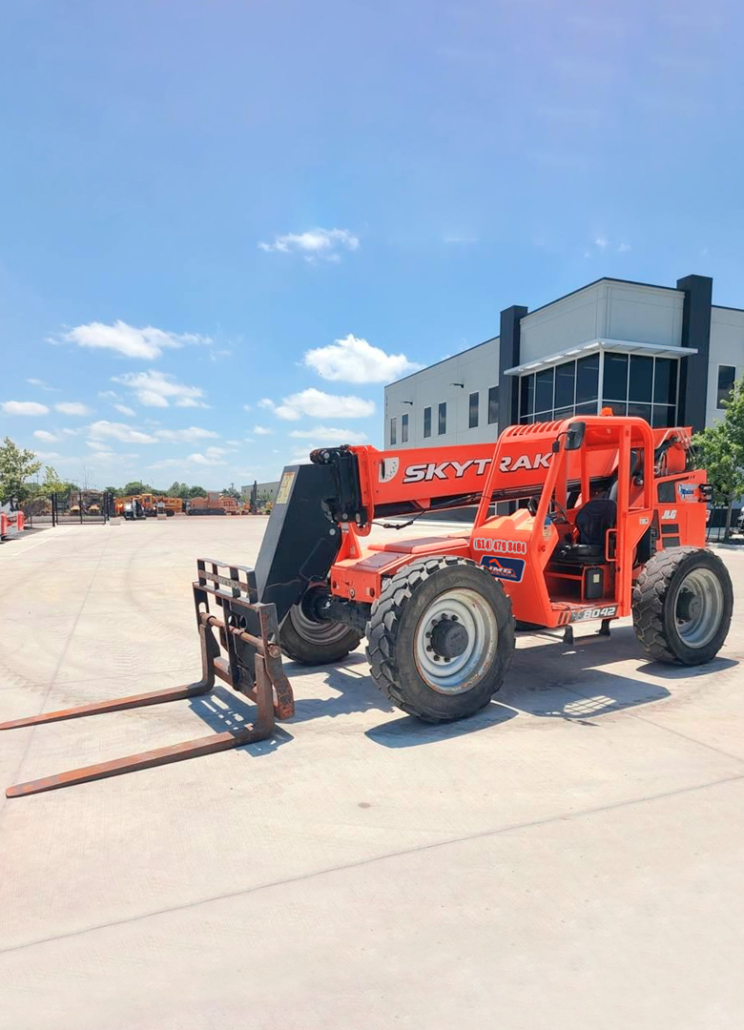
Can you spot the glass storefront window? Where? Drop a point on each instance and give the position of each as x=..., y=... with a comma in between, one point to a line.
x=665, y=381
x=587, y=379
x=641, y=378
x=544, y=390
x=640, y=411
x=615, y=384
x=565, y=379
x=636, y=385
x=527, y=395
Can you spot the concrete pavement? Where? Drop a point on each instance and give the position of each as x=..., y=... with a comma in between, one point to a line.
x=570, y=858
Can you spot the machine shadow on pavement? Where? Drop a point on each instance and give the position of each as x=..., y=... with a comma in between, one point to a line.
x=567, y=683
x=548, y=679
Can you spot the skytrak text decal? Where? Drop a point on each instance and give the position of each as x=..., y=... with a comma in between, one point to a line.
x=428, y=471
x=505, y=568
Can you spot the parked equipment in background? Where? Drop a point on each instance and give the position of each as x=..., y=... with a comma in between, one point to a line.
x=214, y=503
x=602, y=518
x=12, y=521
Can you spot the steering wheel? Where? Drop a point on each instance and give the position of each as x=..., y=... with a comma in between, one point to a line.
x=554, y=509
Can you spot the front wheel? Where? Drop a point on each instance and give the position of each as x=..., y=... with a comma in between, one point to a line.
x=310, y=642
x=682, y=605
x=440, y=638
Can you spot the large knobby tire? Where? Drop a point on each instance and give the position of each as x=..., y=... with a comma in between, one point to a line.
x=682, y=605
x=440, y=638
x=310, y=642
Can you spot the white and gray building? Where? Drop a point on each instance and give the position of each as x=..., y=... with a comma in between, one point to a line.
x=667, y=354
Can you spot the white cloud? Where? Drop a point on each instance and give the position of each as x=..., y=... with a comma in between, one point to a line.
x=246, y=407
x=24, y=408
x=266, y=402
x=46, y=455
x=206, y=459
x=353, y=360
x=42, y=385
x=72, y=432
x=262, y=431
x=317, y=404
x=147, y=343
x=118, y=431
x=601, y=242
x=323, y=244
x=73, y=408
x=188, y=435
x=108, y=395
x=329, y=434
x=157, y=389
x=96, y=445
x=623, y=248
x=42, y=434
x=124, y=409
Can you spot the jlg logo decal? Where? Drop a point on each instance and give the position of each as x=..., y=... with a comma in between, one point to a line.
x=669, y=514
x=457, y=469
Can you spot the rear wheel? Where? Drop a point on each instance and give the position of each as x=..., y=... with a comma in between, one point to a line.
x=440, y=638
x=682, y=605
x=312, y=642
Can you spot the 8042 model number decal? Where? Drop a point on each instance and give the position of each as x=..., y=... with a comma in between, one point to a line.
x=594, y=613
x=511, y=569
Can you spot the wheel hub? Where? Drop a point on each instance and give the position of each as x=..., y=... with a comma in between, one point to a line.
x=689, y=605
x=449, y=638
x=698, y=607
x=455, y=640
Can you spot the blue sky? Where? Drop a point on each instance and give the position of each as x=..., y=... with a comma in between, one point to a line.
x=410, y=169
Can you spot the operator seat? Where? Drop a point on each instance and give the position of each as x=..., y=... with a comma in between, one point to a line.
x=592, y=521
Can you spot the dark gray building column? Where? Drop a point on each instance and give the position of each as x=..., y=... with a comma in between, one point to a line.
x=693, y=384
x=509, y=349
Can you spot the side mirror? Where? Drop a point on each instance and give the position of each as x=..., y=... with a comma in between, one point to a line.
x=575, y=436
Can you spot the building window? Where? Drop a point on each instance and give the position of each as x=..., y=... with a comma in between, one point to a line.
x=726, y=377
x=404, y=428
x=427, y=422
x=637, y=385
x=473, y=411
x=393, y=432
x=442, y=418
x=615, y=379
x=493, y=404
x=544, y=391
x=565, y=383
x=587, y=384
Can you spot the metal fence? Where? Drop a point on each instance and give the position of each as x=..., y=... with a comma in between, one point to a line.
x=69, y=509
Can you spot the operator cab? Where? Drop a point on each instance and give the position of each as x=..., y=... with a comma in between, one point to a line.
x=582, y=565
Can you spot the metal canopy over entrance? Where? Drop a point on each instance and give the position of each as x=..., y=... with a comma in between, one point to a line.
x=582, y=350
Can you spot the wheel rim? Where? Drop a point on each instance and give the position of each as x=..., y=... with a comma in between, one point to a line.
x=439, y=633
x=698, y=607
x=326, y=632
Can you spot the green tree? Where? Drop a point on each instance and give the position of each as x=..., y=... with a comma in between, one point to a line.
x=719, y=449
x=196, y=491
x=230, y=491
x=137, y=488
x=16, y=467
x=114, y=490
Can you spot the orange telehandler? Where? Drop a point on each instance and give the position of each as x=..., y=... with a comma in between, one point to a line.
x=596, y=519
